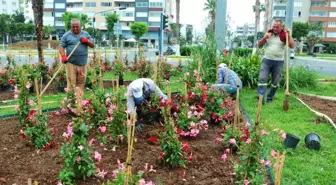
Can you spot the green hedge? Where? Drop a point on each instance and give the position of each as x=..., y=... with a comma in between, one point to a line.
x=186, y=50
x=243, y=52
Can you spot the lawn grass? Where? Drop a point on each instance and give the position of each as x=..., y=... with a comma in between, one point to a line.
x=324, y=56
x=323, y=89
x=319, y=76
x=302, y=166
x=127, y=76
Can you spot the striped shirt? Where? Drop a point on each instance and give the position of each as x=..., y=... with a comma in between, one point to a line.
x=233, y=78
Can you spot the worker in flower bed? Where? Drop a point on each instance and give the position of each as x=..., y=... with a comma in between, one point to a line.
x=76, y=65
x=229, y=85
x=140, y=90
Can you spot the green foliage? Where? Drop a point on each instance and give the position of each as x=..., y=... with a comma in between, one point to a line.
x=78, y=163
x=300, y=29
x=18, y=17
x=300, y=77
x=186, y=50
x=49, y=30
x=120, y=177
x=331, y=48
x=66, y=17
x=138, y=29
x=144, y=69
x=84, y=19
x=243, y=52
x=111, y=19
x=38, y=130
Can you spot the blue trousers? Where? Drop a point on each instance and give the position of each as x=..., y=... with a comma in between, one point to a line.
x=228, y=88
x=273, y=67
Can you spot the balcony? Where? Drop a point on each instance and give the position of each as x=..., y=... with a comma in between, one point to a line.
x=126, y=19
x=74, y=9
x=74, y=1
x=124, y=1
x=319, y=4
x=318, y=14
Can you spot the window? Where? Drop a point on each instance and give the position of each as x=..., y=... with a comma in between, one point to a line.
x=60, y=5
x=332, y=14
x=106, y=4
x=127, y=24
x=75, y=5
x=297, y=4
x=279, y=13
x=332, y=4
x=13, y=3
x=154, y=24
x=332, y=24
x=142, y=14
x=156, y=4
x=48, y=14
x=318, y=13
x=102, y=24
x=90, y=4
x=297, y=13
x=141, y=4
x=319, y=4
x=58, y=14
x=3, y=2
x=154, y=14
x=129, y=14
x=90, y=14
x=49, y=5
x=331, y=34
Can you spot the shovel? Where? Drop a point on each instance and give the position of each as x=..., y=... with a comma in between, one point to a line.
x=285, y=102
x=59, y=69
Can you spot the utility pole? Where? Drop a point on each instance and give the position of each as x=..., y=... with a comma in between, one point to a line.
x=289, y=14
x=220, y=29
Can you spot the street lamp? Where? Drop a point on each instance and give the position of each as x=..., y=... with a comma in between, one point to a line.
x=94, y=18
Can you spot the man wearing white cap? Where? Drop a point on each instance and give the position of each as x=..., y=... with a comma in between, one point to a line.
x=231, y=83
x=139, y=90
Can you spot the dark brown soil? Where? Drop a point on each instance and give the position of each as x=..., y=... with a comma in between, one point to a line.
x=327, y=107
x=32, y=45
x=20, y=161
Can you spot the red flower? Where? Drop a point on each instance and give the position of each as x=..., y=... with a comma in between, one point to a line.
x=190, y=157
x=161, y=154
x=153, y=139
x=22, y=135
x=185, y=147
x=213, y=116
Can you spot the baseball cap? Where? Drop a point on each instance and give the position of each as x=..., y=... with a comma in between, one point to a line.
x=222, y=65
x=136, y=88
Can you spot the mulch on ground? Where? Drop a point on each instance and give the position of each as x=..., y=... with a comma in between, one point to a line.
x=327, y=107
x=20, y=160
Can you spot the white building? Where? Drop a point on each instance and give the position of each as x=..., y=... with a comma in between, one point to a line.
x=9, y=6
x=245, y=30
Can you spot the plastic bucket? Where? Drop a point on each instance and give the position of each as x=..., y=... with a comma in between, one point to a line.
x=312, y=141
x=291, y=141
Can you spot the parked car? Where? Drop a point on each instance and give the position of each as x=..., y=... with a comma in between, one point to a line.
x=292, y=54
x=169, y=50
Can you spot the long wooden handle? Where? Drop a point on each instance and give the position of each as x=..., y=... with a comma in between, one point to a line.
x=287, y=65
x=259, y=109
x=59, y=69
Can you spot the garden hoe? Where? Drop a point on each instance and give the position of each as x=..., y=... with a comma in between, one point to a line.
x=59, y=69
x=286, y=103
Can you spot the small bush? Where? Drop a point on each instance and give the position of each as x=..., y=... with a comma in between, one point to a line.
x=243, y=52
x=300, y=77
x=186, y=50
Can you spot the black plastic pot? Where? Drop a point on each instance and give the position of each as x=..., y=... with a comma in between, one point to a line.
x=312, y=141
x=291, y=141
x=121, y=80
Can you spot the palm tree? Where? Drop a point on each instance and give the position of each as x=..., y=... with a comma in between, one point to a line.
x=210, y=6
x=257, y=8
x=111, y=19
x=84, y=19
x=37, y=6
x=178, y=21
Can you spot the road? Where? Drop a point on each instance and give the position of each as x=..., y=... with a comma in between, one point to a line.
x=323, y=67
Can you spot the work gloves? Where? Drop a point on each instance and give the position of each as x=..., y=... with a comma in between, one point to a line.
x=84, y=40
x=64, y=59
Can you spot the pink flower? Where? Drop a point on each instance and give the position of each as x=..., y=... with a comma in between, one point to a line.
x=232, y=141
x=228, y=151
x=195, y=72
x=28, y=85
x=268, y=163
x=59, y=183
x=223, y=157
x=103, y=129
x=97, y=156
x=17, y=108
x=121, y=137
x=16, y=96
x=246, y=182
x=273, y=153
x=195, y=113
x=192, y=124
x=101, y=173
x=264, y=132
x=189, y=114
x=142, y=182
x=66, y=89
x=283, y=135
x=126, y=94
x=187, y=73
x=248, y=141
x=247, y=124
x=150, y=183
x=80, y=147
x=69, y=130
x=216, y=140
x=78, y=159
x=31, y=102
x=261, y=161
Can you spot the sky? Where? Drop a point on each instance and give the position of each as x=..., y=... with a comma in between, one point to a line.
x=191, y=12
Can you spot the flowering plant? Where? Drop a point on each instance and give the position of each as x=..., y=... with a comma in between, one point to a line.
x=60, y=79
x=5, y=78
x=190, y=123
x=118, y=68
x=78, y=162
x=166, y=70
x=68, y=104
x=144, y=68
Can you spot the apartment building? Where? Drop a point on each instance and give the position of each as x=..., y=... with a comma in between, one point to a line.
x=9, y=6
x=324, y=11
x=245, y=30
x=276, y=9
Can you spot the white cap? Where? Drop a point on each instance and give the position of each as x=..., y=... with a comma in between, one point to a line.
x=136, y=88
x=222, y=65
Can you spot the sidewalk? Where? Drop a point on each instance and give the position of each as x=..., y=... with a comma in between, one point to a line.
x=316, y=59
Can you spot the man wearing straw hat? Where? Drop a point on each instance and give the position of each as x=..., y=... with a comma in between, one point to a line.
x=230, y=84
x=140, y=90
x=76, y=65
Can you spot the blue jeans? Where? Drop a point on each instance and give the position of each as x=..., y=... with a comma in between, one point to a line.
x=273, y=67
x=228, y=88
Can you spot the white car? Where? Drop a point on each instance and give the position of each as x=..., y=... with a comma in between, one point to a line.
x=292, y=54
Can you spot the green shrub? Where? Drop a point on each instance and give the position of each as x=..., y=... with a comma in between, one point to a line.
x=243, y=52
x=186, y=50
x=300, y=77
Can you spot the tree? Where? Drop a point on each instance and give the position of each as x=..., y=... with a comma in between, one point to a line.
x=314, y=35
x=49, y=30
x=138, y=29
x=237, y=40
x=189, y=36
x=178, y=27
x=257, y=9
x=300, y=30
x=67, y=17
x=37, y=6
x=84, y=19
x=331, y=48
x=111, y=19
x=4, y=26
x=210, y=6
x=183, y=41
x=18, y=17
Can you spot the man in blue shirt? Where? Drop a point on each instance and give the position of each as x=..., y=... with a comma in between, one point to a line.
x=229, y=85
x=76, y=65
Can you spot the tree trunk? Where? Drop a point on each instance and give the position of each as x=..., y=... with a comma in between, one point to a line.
x=213, y=19
x=177, y=22
x=37, y=6
x=256, y=28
